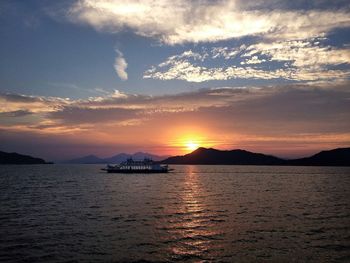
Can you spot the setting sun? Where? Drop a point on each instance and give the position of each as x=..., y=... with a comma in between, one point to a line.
x=192, y=145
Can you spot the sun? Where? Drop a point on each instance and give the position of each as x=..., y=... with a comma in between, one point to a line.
x=191, y=145
x=187, y=140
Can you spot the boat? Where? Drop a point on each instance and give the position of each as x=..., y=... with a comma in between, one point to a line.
x=132, y=166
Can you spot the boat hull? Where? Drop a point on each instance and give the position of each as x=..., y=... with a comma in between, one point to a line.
x=132, y=171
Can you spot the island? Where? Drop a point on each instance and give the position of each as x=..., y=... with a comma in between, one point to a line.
x=16, y=158
x=210, y=156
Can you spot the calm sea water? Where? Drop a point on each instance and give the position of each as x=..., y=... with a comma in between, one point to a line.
x=71, y=213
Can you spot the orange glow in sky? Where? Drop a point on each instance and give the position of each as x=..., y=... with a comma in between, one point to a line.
x=191, y=145
x=190, y=141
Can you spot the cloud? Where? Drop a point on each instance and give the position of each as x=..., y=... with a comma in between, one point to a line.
x=253, y=60
x=294, y=5
x=119, y=95
x=291, y=37
x=19, y=98
x=120, y=66
x=112, y=108
x=298, y=60
x=274, y=117
x=226, y=52
x=189, y=54
x=17, y=113
x=75, y=115
x=301, y=53
x=34, y=104
x=185, y=70
x=178, y=22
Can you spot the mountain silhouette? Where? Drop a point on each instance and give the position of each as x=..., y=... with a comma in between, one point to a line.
x=89, y=159
x=118, y=158
x=16, y=158
x=213, y=156
x=336, y=157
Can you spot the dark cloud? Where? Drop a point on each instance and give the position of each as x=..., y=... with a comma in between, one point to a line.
x=287, y=111
x=17, y=113
x=74, y=115
x=294, y=5
x=19, y=98
x=283, y=118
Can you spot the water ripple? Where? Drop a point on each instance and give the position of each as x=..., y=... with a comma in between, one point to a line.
x=74, y=213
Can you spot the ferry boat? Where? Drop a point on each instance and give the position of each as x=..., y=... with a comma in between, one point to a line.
x=132, y=166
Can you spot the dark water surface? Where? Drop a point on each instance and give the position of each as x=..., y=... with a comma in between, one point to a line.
x=70, y=213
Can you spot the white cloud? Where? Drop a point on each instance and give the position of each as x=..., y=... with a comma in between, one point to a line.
x=300, y=60
x=225, y=52
x=185, y=70
x=120, y=66
x=119, y=95
x=176, y=22
x=253, y=60
x=291, y=36
x=185, y=55
x=301, y=53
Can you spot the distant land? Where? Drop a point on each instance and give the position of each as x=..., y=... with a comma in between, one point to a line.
x=210, y=156
x=336, y=157
x=206, y=156
x=15, y=158
x=213, y=156
x=121, y=157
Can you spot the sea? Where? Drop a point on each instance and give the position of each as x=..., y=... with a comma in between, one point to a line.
x=78, y=213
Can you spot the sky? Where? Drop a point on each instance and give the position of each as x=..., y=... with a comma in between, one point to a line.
x=101, y=77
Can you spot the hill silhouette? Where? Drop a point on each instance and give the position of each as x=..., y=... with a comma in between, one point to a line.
x=15, y=158
x=89, y=159
x=118, y=158
x=213, y=156
x=336, y=157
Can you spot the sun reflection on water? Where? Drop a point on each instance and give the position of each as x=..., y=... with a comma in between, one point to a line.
x=194, y=228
